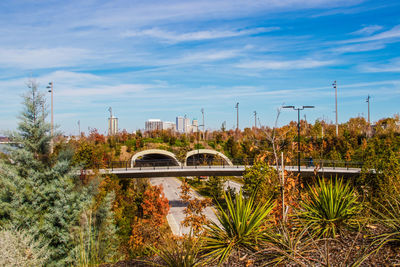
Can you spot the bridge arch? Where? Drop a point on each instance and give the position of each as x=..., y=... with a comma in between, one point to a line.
x=209, y=152
x=155, y=153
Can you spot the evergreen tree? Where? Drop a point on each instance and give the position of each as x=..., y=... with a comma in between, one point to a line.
x=36, y=193
x=215, y=185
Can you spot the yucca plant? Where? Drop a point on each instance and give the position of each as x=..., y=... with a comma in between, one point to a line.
x=388, y=214
x=283, y=246
x=238, y=227
x=183, y=252
x=329, y=207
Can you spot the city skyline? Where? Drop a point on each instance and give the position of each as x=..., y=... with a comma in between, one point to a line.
x=151, y=60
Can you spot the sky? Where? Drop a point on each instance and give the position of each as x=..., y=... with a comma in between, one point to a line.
x=161, y=59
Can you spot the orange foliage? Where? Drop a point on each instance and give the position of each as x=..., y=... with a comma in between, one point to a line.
x=147, y=230
x=194, y=216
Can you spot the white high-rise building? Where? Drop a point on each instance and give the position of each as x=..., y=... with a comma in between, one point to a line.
x=187, y=125
x=180, y=127
x=168, y=125
x=112, y=125
x=153, y=124
x=195, y=125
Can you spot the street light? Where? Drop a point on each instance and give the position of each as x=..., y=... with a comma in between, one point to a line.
x=198, y=145
x=50, y=86
x=298, y=131
x=367, y=100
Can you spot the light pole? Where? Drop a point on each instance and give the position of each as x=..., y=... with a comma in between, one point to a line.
x=298, y=132
x=237, y=116
x=367, y=100
x=337, y=125
x=50, y=87
x=204, y=133
x=198, y=145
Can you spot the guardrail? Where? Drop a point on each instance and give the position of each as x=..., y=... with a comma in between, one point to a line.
x=169, y=164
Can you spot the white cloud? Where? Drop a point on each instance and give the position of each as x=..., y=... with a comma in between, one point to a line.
x=367, y=30
x=205, y=56
x=175, y=37
x=363, y=47
x=392, y=66
x=105, y=90
x=393, y=33
x=42, y=57
x=285, y=65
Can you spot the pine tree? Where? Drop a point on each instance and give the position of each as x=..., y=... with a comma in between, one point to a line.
x=36, y=193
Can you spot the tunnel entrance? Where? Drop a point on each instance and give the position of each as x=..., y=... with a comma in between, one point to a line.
x=205, y=160
x=155, y=160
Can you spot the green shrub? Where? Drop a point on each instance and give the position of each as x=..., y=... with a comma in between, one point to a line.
x=18, y=248
x=388, y=214
x=238, y=227
x=182, y=252
x=330, y=207
x=284, y=246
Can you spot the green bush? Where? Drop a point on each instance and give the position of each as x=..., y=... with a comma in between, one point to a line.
x=330, y=207
x=388, y=214
x=238, y=227
x=19, y=248
x=182, y=252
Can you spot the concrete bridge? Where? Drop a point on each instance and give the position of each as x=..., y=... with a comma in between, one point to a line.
x=238, y=170
x=168, y=158
x=207, y=162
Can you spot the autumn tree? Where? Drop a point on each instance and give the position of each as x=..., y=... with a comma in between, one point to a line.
x=148, y=230
x=194, y=216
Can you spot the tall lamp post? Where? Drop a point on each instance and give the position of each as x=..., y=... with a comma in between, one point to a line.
x=298, y=132
x=50, y=87
x=367, y=100
x=337, y=125
x=237, y=116
x=204, y=132
x=198, y=145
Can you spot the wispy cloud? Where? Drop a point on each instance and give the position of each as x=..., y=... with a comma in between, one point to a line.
x=106, y=90
x=174, y=37
x=367, y=30
x=392, y=66
x=285, y=65
x=393, y=33
x=42, y=57
x=363, y=47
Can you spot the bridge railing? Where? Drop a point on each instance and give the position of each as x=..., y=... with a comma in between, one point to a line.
x=322, y=163
x=169, y=164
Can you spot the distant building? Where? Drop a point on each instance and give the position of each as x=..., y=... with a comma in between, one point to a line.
x=195, y=125
x=168, y=125
x=153, y=124
x=187, y=125
x=183, y=125
x=112, y=125
x=180, y=126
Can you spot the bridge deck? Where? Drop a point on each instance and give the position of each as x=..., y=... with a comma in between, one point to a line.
x=147, y=172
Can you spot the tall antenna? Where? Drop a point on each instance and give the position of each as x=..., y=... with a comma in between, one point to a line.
x=110, y=110
x=367, y=100
x=237, y=116
x=255, y=119
x=337, y=125
x=79, y=127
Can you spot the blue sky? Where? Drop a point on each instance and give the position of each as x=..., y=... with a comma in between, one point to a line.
x=160, y=59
